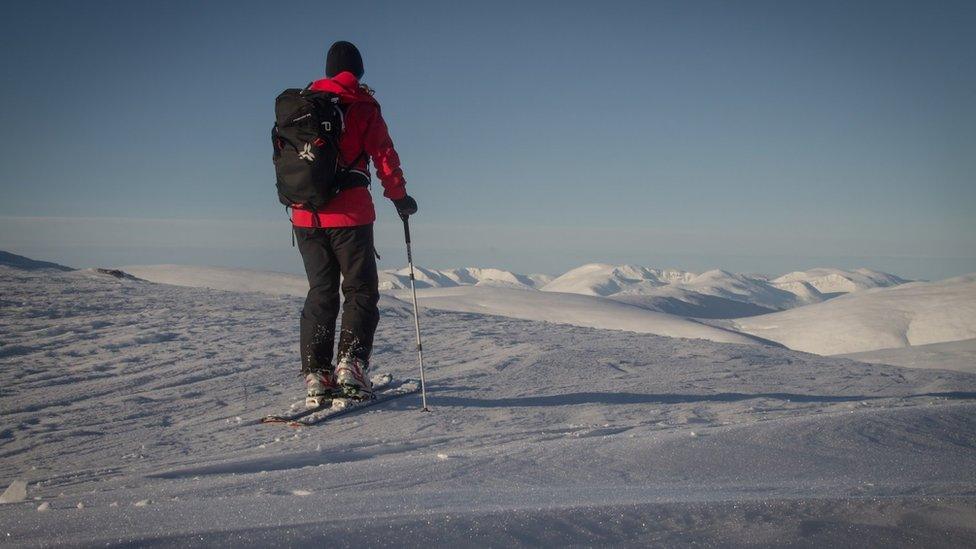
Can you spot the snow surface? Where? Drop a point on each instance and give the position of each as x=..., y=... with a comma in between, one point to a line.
x=481, y=294
x=575, y=309
x=222, y=278
x=951, y=355
x=918, y=313
x=671, y=303
x=136, y=400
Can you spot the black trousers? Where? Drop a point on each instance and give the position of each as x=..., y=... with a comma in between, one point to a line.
x=327, y=254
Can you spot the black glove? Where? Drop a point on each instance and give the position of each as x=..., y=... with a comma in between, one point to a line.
x=405, y=206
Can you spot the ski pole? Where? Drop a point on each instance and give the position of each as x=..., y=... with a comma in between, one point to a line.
x=416, y=316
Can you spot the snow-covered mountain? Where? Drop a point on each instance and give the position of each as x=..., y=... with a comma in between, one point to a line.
x=839, y=281
x=130, y=411
x=713, y=294
x=605, y=280
x=470, y=276
x=742, y=288
x=670, y=290
x=20, y=262
x=917, y=313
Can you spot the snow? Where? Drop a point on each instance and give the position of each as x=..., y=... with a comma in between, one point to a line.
x=574, y=309
x=951, y=355
x=480, y=294
x=917, y=313
x=553, y=434
x=742, y=288
x=17, y=491
x=275, y=283
x=222, y=278
x=682, y=292
x=605, y=280
x=839, y=281
x=666, y=302
x=431, y=278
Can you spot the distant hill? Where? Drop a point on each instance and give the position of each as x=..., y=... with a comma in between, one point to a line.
x=26, y=263
x=918, y=313
x=467, y=276
x=715, y=293
x=839, y=281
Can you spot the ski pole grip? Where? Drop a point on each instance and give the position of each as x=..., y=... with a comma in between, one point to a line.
x=406, y=229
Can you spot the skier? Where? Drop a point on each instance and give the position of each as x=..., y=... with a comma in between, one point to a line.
x=338, y=240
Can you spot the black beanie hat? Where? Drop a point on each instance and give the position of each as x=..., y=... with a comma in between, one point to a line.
x=343, y=56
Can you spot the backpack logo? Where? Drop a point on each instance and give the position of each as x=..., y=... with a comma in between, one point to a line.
x=307, y=153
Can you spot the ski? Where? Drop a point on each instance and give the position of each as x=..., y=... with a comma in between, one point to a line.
x=345, y=406
x=298, y=409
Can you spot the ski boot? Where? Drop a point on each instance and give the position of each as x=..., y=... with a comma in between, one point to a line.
x=319, y=386
x=352, y=378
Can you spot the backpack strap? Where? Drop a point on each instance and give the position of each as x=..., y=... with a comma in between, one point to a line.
x=348, y=179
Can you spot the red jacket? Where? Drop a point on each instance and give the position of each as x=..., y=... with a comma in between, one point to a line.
x=366, y=131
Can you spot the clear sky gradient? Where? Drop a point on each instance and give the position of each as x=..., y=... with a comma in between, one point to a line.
x=751, y=136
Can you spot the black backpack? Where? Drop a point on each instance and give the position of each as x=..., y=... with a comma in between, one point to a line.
x=305, y=136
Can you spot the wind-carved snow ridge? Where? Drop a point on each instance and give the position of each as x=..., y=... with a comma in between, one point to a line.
x=541, y=433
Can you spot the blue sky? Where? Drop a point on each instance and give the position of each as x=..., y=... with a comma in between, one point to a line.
x=751, y=136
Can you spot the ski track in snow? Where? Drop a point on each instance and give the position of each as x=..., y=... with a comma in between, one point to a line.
x=138, y=400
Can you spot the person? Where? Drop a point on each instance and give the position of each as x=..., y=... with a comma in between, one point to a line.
x=337, y=240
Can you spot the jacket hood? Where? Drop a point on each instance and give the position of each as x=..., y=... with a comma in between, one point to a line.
x=346, y=86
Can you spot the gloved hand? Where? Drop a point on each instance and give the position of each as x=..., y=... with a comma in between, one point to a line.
x=405, y=206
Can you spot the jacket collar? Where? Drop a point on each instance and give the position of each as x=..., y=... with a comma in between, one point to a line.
x=347, y=80
x=346, y=85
